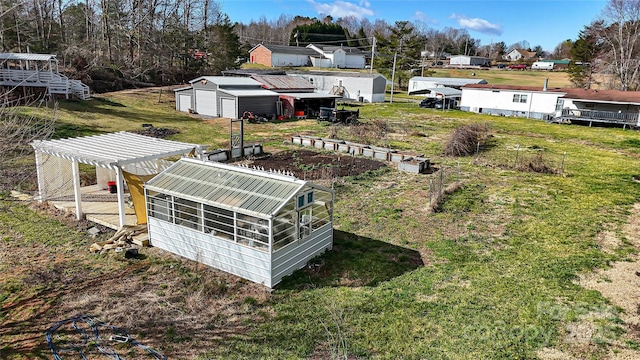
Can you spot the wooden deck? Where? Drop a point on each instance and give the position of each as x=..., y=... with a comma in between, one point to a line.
x=625, y=119
x=98, y=205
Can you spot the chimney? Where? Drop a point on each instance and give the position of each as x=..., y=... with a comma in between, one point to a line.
x=546, y=84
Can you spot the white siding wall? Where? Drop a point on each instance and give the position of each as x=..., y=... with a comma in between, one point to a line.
x=460, y=60
x=289, y=60
x=415, y=85
x=294, y=256
x=339, y=59
x=538, y=102
x=355, y=86
x=355, y=61
x=221, y=254
x=321, y=63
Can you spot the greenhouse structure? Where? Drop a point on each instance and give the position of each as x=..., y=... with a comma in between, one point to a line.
x=259, y=225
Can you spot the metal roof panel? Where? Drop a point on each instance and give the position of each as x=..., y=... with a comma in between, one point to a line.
x=227, y=186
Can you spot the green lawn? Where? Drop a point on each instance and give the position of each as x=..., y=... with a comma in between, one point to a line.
x=490, y=275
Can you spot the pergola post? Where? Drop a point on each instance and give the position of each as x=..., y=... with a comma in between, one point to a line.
x=76, y=188
x=120, y=192
x=40, y=175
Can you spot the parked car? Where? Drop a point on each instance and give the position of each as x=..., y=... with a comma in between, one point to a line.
x=517, y=66
x=435, y=103
x=502, y=66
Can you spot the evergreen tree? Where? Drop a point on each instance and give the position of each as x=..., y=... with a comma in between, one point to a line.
x=405, y=44
x=582, y=54
x=318, y=33
x=224, y=46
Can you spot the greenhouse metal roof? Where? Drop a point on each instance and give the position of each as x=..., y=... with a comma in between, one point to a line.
x=227, y=186
x=114, y=149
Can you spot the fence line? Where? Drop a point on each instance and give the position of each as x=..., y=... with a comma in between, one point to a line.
x=532, y=159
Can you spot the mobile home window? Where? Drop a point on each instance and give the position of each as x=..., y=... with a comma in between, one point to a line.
x=559, y=104
x=519, y=98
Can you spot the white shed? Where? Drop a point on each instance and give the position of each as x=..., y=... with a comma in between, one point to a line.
x=465, y=60
x=259, y=225
x=183, y=99
x=339, y=56
x=348, y=85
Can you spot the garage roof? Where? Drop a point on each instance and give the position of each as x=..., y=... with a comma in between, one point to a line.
x=113, y=150
x=249, y=92
x=231, y=187
x=307, y=95
x=227, y=80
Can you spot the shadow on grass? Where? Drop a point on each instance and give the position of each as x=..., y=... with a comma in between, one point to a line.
x=68, y=130
x=135, y=114
x=28, y=332
x=354, y=261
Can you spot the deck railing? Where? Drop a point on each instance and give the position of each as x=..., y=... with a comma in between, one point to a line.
x=612, y=117
x=54, y=82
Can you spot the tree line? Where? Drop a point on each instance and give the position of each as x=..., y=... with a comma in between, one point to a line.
x=120, y=43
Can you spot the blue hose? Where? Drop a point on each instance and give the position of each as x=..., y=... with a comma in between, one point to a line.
x=93, y=338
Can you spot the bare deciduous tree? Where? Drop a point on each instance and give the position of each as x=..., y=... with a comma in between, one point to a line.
x=618, y=34
x=17, y=131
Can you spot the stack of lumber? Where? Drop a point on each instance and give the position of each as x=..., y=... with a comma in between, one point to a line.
x=120, y=239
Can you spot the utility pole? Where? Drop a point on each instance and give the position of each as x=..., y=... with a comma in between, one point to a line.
x=393, y=75
x=373, y=51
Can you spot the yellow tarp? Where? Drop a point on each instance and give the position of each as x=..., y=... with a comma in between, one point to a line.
x=136, y=190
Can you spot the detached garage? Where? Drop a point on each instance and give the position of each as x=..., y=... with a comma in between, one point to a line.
x=183, y=98
x=229, y=97
x=259, y=225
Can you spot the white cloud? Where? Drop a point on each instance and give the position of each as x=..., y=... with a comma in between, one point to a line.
x=420, y=16
x=479, y=25
x=340, y=8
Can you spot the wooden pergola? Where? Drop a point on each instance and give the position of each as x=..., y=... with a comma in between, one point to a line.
x=57, y=161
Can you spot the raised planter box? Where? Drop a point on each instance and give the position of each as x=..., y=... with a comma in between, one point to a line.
x=414, y=165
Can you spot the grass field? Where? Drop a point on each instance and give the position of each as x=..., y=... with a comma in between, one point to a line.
x=496, y=272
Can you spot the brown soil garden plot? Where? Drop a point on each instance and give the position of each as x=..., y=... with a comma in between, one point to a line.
x=311, y=165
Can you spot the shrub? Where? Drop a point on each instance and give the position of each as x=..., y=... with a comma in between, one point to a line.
x=464, y=139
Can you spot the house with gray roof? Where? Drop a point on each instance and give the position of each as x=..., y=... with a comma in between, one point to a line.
x=332, y=56
x=280, y=55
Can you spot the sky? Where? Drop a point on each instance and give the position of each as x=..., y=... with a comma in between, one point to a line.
x=545, y=22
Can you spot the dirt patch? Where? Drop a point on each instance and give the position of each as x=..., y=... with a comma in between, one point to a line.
x=311, y=165
x=621, y=285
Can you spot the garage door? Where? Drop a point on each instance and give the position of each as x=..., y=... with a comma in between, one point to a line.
x=206, y=102
x=228, y=108
x=184, y=102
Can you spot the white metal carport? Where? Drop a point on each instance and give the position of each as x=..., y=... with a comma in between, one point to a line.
x=110, y=151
